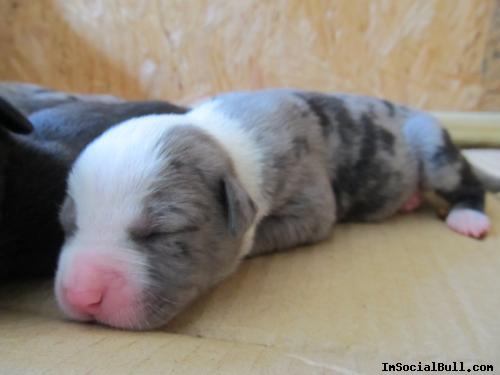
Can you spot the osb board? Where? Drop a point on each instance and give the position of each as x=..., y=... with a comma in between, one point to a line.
x=491, y=63
x=407, y=289
x=435, y=54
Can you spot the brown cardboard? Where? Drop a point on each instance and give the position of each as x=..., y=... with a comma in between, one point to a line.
x=407, y=289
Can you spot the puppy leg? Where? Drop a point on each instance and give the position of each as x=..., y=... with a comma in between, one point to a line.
x=447, y=172
x=307, y=217
x=412, y=204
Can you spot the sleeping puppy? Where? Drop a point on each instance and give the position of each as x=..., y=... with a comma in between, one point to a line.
x=160, y=208
x=28, y=98
x=36, y=153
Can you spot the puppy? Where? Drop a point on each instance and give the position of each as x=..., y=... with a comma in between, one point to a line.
x=28, y=98
x=160, y=208
x=39, y=140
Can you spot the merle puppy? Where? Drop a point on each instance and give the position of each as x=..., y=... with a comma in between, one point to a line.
x=162, y=207
x=41, y=133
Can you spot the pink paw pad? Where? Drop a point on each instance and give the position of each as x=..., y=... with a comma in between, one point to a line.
x=468, y=222
x=414, y=202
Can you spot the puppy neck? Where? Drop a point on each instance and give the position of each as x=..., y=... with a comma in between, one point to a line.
x=244, y=152
x=239, y=145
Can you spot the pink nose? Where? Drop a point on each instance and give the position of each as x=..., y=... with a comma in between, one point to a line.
x=96, y=287
x=85, y=302
x=100, y=285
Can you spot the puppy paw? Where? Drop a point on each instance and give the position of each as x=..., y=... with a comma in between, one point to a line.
x=468, y=222
x=414, y=202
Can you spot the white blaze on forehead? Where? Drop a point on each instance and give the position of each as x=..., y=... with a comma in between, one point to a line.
x=114, y=173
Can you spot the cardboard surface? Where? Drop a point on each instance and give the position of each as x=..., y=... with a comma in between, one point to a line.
x=407, y=289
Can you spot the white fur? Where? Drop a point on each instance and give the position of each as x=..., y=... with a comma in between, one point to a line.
x=115, y=172
x=468, y=222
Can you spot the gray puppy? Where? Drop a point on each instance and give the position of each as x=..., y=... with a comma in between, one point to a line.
x=29, y=98
x=41, y=133
x=160, y=208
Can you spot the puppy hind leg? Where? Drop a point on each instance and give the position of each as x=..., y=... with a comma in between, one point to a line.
x=447, y=172
x=413, y=203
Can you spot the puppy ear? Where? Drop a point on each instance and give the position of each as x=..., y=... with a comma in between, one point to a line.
x=12, y=119
x=240, y=208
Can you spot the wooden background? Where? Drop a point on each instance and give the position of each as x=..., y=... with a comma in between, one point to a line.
x=434, y=54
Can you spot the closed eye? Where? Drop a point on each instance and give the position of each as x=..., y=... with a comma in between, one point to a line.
x=153, y=233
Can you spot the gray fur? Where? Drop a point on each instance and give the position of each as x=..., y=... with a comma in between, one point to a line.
x=191, y=226
x=366, y=148
x=200, y=212
x=29, y=98
x=356, y=141
x=327, y=158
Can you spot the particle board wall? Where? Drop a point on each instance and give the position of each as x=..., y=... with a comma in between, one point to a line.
x=435, y=54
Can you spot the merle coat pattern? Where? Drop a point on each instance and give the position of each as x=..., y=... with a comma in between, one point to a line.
x=160, y=208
